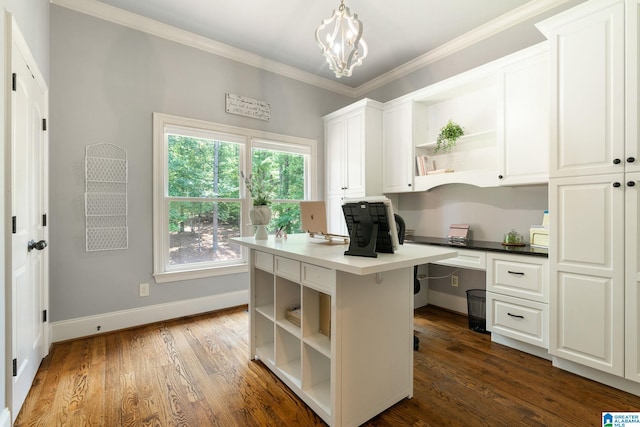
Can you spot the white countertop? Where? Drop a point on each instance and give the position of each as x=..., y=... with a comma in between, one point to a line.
x=327, y=254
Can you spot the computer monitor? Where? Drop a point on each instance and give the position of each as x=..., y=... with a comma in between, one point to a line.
x=371, y=225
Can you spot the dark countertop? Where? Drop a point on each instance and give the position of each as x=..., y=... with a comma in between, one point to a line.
x=480, y=245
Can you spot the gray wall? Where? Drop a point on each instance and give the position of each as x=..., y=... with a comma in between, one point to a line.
x=511, y=40
x=490, y=212
x=106, y=81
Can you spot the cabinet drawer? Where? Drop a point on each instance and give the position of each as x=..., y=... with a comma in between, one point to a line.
x=319, y=278
x=288, y=268
x=264, y=261
x=518, y=276
x=467, y=258
x=523, y=320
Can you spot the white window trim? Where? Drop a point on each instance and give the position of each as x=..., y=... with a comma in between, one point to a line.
x=250, y=137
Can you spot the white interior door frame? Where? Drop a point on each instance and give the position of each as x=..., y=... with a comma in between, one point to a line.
x=38, y=190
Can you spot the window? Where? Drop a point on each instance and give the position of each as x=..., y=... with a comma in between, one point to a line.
x=287, y=165
x=200, y=201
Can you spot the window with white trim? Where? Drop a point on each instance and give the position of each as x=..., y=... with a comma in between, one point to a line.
x=201, y=202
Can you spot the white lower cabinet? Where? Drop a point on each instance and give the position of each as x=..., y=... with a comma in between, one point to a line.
x=518, y=301
x=345, y=368
x=587, y=259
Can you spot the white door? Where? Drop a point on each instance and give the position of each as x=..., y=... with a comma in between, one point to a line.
x=28, y=202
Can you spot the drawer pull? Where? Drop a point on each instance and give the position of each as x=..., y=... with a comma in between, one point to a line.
x=515, y=315
x=519, y=273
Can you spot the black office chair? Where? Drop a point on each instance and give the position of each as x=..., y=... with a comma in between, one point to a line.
x=400, y=226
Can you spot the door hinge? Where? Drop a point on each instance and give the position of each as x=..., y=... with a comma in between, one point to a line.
x=14, y=81
x=44, y=220
x=14, y=224
x=44, y=316
x=15, y=367
x=44, y=124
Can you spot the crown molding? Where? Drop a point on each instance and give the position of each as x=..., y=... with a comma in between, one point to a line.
x=517, y=16
x=137, y=22
x=113, y=14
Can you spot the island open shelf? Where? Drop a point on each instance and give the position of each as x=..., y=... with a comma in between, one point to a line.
x=347, y=362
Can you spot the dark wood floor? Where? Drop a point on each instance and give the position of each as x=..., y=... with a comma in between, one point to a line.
x=196, y=372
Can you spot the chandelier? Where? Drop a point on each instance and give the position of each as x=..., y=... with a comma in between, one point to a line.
x=340, y=38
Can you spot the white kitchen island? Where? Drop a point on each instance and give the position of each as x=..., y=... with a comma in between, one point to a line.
x=351, y=356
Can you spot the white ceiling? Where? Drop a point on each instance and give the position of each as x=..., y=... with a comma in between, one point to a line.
x=283, y=31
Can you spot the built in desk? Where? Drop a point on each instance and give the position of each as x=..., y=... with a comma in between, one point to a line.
x=363, y=363
x=517, y=285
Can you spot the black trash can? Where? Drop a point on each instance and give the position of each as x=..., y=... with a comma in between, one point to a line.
x=476, y=310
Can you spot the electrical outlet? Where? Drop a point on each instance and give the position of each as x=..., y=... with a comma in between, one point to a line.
x=144, y=289
x=454, y=281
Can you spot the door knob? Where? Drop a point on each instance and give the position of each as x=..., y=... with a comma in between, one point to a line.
x=36, y=245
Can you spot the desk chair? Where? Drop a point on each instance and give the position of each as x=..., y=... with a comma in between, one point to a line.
x=401, y=226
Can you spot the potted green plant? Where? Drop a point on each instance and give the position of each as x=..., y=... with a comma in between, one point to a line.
x=448, y=137
x=262, y=188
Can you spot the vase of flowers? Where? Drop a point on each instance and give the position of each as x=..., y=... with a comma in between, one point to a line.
x=261, y=189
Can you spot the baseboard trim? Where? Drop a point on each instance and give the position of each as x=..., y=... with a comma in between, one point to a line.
x=543, y=353
x=598, y=376
x=107, y=322
x=448, y=301
x=5, y=418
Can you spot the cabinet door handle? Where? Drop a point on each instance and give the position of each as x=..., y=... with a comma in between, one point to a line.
x=631, y=183
x=409, y=185
x=515, y=315
x=616, y=161
x=616, y=184
x=518, y=273
x=631, y=159
x=500, y=177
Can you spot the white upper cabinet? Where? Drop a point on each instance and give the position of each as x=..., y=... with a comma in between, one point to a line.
x=632, y=55
x=398, y=163
x=523, y=120
x=503, y=108
x=588, y=89
x=353, y=157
